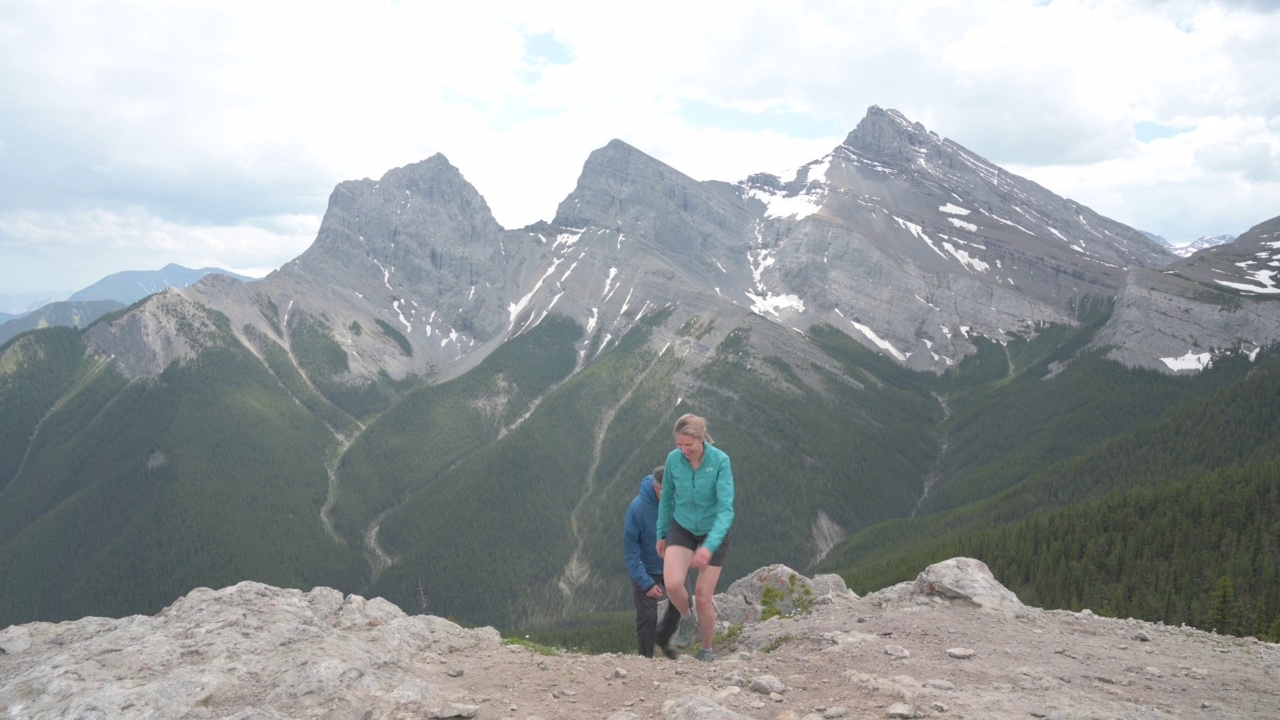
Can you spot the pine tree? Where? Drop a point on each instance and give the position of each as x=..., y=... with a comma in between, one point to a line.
x=1222, y=607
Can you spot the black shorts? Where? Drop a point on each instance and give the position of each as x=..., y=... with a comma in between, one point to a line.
x=679, y=537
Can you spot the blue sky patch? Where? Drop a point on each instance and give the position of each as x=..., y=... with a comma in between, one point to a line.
x=1148, y=131
x=545, y=48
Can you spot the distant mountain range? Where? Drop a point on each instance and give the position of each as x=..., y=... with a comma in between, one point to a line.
x=1200, y=243
x=112, y=292
x=427, y=403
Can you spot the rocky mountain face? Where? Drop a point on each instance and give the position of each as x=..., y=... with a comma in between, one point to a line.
x=901, y=238
x=952, y=643
x=1219, y=300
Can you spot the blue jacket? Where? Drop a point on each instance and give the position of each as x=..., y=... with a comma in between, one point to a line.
x=701, y=502
x=639, y=541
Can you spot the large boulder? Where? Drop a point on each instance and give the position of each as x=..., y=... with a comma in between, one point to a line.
x=958, y=580
x=775, y=590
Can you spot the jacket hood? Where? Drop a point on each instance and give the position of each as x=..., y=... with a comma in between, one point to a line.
x=646, y=491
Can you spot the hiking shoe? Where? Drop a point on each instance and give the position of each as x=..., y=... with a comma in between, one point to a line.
x=705, y=655
x=686, y=631
x=669, y=652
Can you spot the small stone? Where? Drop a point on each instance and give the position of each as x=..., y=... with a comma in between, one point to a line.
x=455, y=672
x=736, y=679
x=727, y=693
x=835, y=712
x=776, y=697
x=1153, y=672
x=767, y=684
x=619, y=673
x=960, y=653
x=900, y=710
x=940, y=684
x=897, y=652
x=1142, y=636
x=454, y=710
x=940, y=707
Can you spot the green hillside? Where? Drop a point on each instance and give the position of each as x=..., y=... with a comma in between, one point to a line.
x=132, y=494
x=497, y=496
x=1147, y=524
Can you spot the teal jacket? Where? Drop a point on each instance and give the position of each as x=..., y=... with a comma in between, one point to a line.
x=701, y=502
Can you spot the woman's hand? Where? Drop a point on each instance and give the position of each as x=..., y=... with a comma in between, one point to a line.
x=655, y=592
x=701, y=557
x=662, y=548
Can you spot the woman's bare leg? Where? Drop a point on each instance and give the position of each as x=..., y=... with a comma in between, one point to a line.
x=704, y=595
x=675, y=570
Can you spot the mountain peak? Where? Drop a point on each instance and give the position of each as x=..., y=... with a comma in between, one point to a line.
x=888, y=133
x=616, y=170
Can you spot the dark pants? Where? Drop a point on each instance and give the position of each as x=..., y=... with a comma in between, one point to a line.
x=670, y=621
x=646, y=616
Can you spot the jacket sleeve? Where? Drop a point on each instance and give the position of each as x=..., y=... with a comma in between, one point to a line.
x=724, y=506
x=631, y=552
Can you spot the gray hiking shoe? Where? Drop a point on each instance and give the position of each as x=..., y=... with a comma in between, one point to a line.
x=686, y=632
x=705, y=655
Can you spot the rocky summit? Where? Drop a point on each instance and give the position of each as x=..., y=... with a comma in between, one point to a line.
x=953, y=643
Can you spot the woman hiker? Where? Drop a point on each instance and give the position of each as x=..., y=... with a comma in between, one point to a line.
x=695, y=513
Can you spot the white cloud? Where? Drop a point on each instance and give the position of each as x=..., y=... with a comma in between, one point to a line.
x=217, y=114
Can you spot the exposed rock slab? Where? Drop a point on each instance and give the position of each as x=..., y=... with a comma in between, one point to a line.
x=253, y=651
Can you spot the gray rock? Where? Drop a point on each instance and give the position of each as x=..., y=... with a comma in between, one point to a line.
x=969, y=581
x=766, y=684
x=698, y=708
x=897, y=652
x=900, y=710
x=261, y=650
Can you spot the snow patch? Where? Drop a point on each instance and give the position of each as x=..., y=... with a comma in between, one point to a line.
x=613, y=272
x=1190, y=361
x=966, y=259
x=879, y=342
x=918, y=232
x=1265, y=278
x=798, y=207
x=516, y=308
x=770, y=303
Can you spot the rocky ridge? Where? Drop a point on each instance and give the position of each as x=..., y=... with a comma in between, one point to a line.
x=953, y=643
x=907, y=241
x=1217, y=301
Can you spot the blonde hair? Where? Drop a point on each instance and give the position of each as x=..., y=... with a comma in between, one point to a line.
x=693, y=426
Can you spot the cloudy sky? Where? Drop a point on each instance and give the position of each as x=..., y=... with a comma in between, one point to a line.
x=135, y=134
